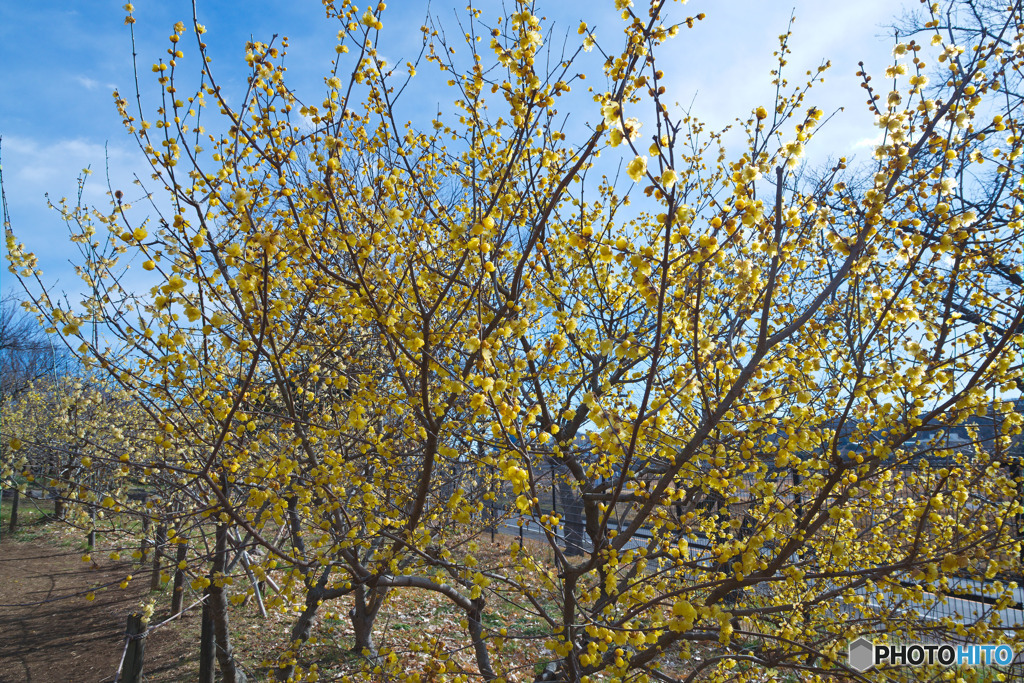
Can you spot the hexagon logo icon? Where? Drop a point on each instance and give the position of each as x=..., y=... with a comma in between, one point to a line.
x=861, y=654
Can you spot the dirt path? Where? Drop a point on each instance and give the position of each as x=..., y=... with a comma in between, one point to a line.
x=50, y=632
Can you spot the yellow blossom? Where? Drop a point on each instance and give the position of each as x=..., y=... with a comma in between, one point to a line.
x=637, y=168
x=669, y=179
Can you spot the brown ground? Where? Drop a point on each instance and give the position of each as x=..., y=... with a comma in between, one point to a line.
x=50, y=632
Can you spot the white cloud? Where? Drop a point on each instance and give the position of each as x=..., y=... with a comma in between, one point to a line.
x=93, y=84
x=871, y=142
x=34, y=166
x=89, y=83
x=738, y=79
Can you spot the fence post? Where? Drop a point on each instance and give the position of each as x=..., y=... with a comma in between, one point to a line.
x=136, y=649
x=179, y=580
x=158, y=544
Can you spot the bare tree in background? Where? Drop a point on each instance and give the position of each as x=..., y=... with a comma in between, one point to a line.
x=26, y=354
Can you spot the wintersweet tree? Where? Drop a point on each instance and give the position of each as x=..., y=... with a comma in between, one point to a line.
x=71, y=437
x=743, y=374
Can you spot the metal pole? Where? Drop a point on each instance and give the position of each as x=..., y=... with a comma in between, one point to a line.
x=494, y=506
x=554, y=501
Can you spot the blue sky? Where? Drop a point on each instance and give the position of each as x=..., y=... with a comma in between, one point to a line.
x=62, y=60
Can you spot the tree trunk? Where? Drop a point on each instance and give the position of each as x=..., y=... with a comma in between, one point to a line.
x=144, y=546
x=303, y=627
x=367, y=603
x=158, y=551
x=14, y=510
x=179, y=580
x=207, y=654
x=295, y=526
x=476, y=634
x=219, y=611
x=60, y=507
